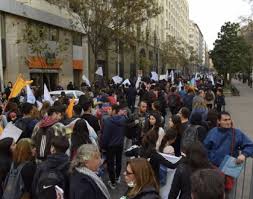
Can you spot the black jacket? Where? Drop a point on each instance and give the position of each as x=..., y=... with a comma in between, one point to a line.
x=181, y=183
x=147, y=193
x=53, y=161
x=155, y=159
x=82, y=186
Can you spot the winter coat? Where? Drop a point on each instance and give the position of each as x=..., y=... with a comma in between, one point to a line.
x=181, y=184
x=53, y=161
x=113, y=131
x=146, y=193
x=218, y=144
x=82, y=186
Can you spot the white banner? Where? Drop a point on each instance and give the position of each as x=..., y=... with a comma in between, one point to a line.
x=30, y=96
x=99, y=71
x=47, y=96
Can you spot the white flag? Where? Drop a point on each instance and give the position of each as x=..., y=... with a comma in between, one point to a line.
x=167, y=75
x=86, y=80
x=39, y=105
x=99, y=71
x=137, y=84
x=117, y=79
x=126, y=81
x=47, y=96
x=172, y=76
x=29, y=95
x=212, y=80
x=180, y=86
x=154, y=76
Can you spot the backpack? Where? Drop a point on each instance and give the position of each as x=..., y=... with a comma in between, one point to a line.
x=14, y=186
x=49, y=178
x=190, y=135
x=209, y=96
x=43, y=141
x=173, y=100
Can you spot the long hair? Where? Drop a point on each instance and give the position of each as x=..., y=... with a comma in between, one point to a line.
x=177, y=124
x=5, y=147
x=144, y=176
x=170, y=134
x=80, y=135
x=158, y=123
x=196, y=157
x=149, y=142
x=23, y=151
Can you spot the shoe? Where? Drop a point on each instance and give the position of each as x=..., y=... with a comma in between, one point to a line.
x=118, y=180
x=112, y=186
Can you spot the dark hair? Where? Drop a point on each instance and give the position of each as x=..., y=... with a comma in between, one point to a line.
x=173, y=89
x=223, y=113
x=5, y=145
x=26, y=108
x=208, y=184
x=158, y=123
x=77, y=109
x=116, y=108
x=177, y=123
x=80, y=135
x=185, y=112
x=60, y=143
x=212, y=117
x=196, y=157
x=170, y=134
x=86, y=105
x=157, y=105
x=56, y=109
x=149, y=143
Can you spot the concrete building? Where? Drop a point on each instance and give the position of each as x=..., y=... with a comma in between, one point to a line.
x=49, y=68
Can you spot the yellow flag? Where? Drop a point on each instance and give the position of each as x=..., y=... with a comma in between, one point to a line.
x=18, y=86
x=69, y=110
x=1, y=129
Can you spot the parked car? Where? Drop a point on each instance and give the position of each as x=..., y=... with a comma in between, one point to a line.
x=69, y=93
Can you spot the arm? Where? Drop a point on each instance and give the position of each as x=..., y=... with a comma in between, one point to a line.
x=159, y=158
x=245, y=144
x=176, y=185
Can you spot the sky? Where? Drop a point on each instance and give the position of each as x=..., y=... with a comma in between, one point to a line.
x=210, y=15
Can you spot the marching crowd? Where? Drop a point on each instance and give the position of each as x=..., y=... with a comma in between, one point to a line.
x=59, y=157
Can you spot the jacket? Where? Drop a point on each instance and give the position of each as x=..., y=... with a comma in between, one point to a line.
x=82, y=186
x=181, y=184
x=52, y=161
x=147, y=193
x=218, y=144
x=113, y=131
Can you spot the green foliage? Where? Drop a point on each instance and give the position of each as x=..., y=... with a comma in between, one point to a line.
x=231, y=52
x=144, y=64
x=106, y=21
x=36, y=36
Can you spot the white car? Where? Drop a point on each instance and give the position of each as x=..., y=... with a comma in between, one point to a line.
x=69, y=93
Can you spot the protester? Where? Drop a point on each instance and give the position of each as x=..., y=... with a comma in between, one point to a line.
x=140, y=179
x=84, y=183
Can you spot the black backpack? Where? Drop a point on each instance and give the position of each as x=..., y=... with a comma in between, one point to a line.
x=190, y=135
x=49, y=178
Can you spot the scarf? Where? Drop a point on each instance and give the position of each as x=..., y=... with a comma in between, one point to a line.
x=96, y=179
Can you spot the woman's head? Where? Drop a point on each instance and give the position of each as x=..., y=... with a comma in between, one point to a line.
x=154, y=119
x=150, y=139
x=196, y=156
x=168, y=139
x=175, y=122
x=88, y=156
x=7, y=146
x=139, y=174
x=23, y=151
x=80, y=133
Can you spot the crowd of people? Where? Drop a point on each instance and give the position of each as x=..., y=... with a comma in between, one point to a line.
x=60, y=157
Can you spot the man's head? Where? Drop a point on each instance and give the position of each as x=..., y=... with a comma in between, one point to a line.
x=201, y=93
x=184, y=113
x=56, y=112
x=115, y=109
x=59, y=144
x=26, y=108
x=208, y=184
x=143, y=107
x=224, y=120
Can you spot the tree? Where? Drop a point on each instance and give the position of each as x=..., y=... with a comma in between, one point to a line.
x=231, y=52
x=36, y=36
x=108, y=21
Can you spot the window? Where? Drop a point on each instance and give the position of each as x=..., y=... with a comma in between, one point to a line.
x=77, y=39
x=53, y=34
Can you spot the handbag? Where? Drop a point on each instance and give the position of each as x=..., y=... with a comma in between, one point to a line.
x=229, y=181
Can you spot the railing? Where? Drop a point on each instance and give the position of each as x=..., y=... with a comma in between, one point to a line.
x=244, y=184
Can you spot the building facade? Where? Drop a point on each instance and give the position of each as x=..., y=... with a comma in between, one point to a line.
x=50, y=68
